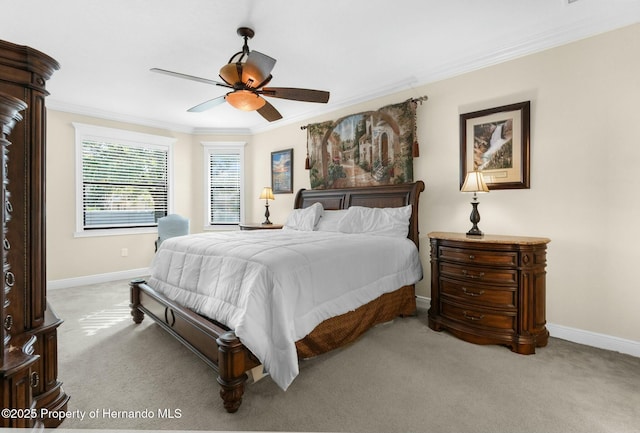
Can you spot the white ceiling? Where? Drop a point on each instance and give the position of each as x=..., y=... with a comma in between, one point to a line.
x=356, y=49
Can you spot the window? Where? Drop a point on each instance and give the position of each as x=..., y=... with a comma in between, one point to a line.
x=124, y=180
x=224, y=168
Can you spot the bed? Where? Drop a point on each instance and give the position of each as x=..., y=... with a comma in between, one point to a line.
x=226, y=348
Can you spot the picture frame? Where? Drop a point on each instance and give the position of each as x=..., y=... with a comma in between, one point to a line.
x=496, y=141
x=282, y=171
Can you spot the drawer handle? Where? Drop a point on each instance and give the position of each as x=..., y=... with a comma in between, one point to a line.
x=35, y=379
x=471, y=292
x=467, y=274
x=472, y=317
x=9, y=279
x=472, y=257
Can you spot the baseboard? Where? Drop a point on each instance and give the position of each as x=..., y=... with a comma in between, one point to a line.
x=97, y=279
x=423, y=302
x=580, y=336
x=589, y=338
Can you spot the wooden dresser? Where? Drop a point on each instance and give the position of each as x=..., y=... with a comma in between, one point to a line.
x=489, y=289
x=29, y=368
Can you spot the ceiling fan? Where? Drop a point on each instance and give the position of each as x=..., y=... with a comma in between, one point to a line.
x=248, y=79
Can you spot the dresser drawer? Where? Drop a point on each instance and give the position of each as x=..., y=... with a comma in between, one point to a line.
x=480, y=317
x=479, y=274
x=464, y=255
x=482, y=295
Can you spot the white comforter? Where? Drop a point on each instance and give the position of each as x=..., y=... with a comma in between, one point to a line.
x=272, y=287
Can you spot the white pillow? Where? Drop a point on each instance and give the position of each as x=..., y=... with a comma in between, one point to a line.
x=389, y=221
x=330, y=220
x=304, y=219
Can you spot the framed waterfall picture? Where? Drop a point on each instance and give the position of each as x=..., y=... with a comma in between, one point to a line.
x=496, y=142
x=282, y=171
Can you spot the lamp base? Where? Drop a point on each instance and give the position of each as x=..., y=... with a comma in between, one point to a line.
x=475, y=232
x=266, y=216
x=475, y=219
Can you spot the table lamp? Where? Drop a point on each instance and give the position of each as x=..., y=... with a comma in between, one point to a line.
x=267, y=194
x=474, y=182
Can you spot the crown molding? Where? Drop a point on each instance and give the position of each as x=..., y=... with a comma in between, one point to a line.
x=53, y=104
x=383, y=91
x=531, y=45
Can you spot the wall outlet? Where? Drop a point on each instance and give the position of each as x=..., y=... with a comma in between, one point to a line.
x=124, y=252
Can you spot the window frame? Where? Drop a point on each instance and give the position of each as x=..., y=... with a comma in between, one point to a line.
x=222, y=147
x=127, y=138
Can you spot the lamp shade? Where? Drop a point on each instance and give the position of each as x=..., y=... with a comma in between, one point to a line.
x=474, y=182
x=231, y=73
x=245, y=100
x=267, y=194
x=239, y=73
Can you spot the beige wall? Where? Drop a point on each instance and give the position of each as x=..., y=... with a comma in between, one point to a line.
x=584, y=112
x=73, y=257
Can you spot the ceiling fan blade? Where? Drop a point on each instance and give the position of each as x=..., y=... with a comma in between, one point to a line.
x=305, y=95
x=269, y=112
x=188, y=77
x=257, y=68
x=207, y=105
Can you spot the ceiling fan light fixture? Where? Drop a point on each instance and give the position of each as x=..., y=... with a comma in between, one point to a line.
x=251, y=75
x=231, y=73
x=245, y=100
x=237, y=74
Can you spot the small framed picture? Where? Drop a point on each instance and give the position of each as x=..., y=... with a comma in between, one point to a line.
x=282, y=171
x=496, y=142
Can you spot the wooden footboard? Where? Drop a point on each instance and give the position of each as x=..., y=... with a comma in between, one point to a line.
x=223, y=351
x=214, y=344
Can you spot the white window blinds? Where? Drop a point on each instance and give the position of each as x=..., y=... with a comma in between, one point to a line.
x=224, y=163
x=124, y=179
x=225, y=173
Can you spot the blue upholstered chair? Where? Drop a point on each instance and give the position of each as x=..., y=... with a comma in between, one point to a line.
x=170, y=226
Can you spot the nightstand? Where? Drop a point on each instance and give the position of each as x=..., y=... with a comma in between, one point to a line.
x=259, y=226
x=489, y=289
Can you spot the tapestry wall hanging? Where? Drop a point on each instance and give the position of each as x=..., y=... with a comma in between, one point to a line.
x=364, y=149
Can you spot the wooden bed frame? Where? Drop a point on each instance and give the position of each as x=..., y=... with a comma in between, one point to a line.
x=219, y=347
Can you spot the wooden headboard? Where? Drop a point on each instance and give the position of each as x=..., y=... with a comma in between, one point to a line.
x=372, y=196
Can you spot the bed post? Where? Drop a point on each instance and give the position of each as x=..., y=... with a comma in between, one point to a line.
x=138, y=316
x=231, y=370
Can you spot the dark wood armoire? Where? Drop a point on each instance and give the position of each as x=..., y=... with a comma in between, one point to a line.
x=29, y=363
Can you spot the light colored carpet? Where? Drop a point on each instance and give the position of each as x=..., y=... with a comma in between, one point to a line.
x=399, y=377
